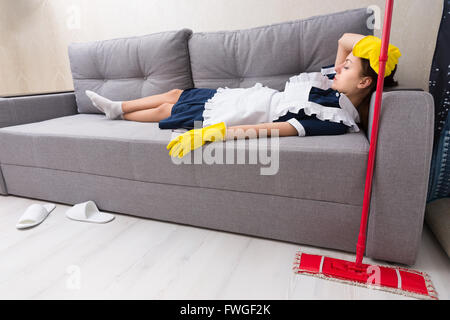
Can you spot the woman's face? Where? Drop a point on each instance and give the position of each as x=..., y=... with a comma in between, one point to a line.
x=348, y=79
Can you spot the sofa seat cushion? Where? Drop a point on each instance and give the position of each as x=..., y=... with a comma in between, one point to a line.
x=323, y=168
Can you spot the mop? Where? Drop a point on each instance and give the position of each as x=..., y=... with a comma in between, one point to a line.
x=392, y=279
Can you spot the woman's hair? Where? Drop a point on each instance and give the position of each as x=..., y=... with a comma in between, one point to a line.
x=389, y=81
x=367, y=71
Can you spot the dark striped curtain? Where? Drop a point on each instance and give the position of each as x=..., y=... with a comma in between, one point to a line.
x=439, y=185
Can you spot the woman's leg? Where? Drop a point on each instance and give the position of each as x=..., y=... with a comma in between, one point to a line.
x=151, y=102
x=157, y=114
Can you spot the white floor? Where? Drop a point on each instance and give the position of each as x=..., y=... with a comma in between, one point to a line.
x=135, y=258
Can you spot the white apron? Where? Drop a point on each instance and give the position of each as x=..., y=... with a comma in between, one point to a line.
x=259, y=104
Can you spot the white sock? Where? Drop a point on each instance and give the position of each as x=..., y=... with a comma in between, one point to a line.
x=112, y=109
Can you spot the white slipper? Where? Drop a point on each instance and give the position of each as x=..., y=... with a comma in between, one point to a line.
x=34, y=215
x=88, y=212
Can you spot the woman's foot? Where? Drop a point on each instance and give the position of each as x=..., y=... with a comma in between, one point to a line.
x=112, y=109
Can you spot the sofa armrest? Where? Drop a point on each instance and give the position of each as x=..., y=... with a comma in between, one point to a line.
x=34, y=108
x=401, y=174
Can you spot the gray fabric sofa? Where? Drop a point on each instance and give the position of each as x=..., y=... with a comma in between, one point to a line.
x=57, y=147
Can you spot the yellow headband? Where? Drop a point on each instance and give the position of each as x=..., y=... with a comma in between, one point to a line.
x=369, y=48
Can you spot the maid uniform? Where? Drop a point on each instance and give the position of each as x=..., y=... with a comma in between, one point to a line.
x=308, y=103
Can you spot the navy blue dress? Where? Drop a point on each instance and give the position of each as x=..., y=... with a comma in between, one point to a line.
x=312, y=125
x=328, y=98
x=189, y=108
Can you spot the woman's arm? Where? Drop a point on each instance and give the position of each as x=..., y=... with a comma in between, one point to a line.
x=345, y=46
x=254, y=130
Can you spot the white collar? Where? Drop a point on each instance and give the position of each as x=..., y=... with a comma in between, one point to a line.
x=347, y=105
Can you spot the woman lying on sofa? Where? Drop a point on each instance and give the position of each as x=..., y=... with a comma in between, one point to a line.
x=315, y=103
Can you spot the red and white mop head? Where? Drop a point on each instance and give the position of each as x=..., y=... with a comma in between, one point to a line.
x=392, y=279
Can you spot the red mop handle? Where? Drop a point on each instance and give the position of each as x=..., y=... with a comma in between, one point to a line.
x=361, y=245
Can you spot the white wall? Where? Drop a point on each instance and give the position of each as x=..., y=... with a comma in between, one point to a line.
x=34, y=34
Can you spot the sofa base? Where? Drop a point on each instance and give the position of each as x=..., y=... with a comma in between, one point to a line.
x=310, y=222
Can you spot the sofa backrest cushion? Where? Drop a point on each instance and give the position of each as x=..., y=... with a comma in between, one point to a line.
x=273, y=53
x=130, y=68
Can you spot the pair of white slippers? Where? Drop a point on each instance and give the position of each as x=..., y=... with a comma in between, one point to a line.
x=86, y=211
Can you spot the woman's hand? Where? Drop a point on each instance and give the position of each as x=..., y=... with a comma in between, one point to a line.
x=195, y=138
x=348, y=40
x=345, y=46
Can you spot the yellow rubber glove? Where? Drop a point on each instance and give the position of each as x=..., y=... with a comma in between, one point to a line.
x=195, y=138
x=369, y=48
